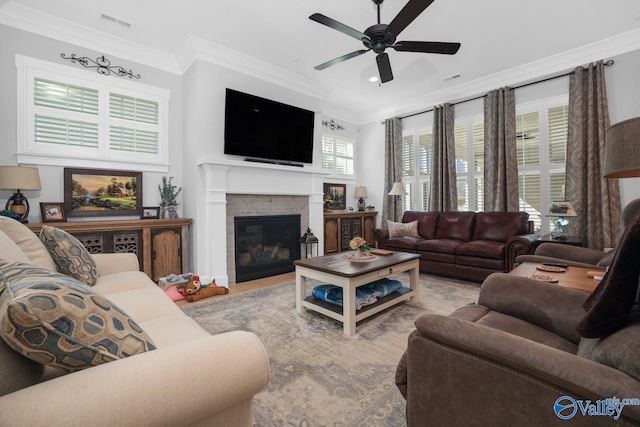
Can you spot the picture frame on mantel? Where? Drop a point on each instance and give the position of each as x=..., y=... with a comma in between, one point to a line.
x=335, y=196
x=97, y=192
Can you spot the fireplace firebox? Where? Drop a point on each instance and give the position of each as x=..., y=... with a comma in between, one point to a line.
x=265, y=245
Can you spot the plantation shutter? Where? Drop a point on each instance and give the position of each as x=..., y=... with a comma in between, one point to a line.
x=344, y=157
x=478, y=164
x=425, y=163
x=528, y=146
x=557, y=151
x=139, y=118
x=327, y=153
x=65, y=114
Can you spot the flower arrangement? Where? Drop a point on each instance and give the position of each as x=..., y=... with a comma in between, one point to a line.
x=359, y=243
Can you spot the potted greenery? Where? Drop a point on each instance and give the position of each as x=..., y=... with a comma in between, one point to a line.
x=168, y=194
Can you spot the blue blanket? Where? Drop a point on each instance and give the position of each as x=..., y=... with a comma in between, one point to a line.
x=365, y=295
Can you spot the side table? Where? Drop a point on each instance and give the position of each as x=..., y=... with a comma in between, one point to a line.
x=570, y=240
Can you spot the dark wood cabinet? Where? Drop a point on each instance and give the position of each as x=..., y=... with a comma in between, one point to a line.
x=158, y=243
x=340, y=228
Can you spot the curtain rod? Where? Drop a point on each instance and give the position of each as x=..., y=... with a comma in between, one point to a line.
x=608, y=64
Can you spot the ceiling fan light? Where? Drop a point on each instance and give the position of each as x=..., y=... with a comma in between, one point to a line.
x=373, y=79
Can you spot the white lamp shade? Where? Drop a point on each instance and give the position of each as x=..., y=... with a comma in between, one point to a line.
x=360, y=192
x=19, y=178
x=397, y=190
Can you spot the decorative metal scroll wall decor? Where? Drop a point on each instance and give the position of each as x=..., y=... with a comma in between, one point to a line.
x=101, y=64
x=333, y=125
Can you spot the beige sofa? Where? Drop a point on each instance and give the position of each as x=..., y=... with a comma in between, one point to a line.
x=191, y=378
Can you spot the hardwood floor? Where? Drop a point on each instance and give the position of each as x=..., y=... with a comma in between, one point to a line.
x=247, y=286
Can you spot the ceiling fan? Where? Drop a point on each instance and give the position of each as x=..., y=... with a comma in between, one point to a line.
x=378, y=37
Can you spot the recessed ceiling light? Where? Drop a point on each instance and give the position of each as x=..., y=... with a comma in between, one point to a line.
x=373, y=79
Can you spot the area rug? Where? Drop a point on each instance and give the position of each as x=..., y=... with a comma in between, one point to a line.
x=320, y=377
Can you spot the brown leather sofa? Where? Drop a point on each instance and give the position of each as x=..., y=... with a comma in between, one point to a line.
x=467, y=245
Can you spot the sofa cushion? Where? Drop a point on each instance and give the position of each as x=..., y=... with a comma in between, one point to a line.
x=619, y=350
x=9, y=250
x=70, y=256
x=404, y=243
x=401, y=229
x=57, y=321
x=500, y=226
x=482, y=249
x=28, y=242
x=609, y=305
x=17, y=371
x=445, y=246
x=455, y=225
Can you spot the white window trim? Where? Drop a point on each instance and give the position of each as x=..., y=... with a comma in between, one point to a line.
x=28, y=152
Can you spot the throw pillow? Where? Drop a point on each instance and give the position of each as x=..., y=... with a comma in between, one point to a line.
x=70, y=256
x=57, y=321
x=619, y=350
x=28, y=242
x=9, y=250
x=400, y=229
x=609, y=305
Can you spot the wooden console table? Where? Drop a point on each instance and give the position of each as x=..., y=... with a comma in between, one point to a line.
x=340, y=228
x=158, y=243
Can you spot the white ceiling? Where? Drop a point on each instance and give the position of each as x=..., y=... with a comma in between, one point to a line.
x=503, y=42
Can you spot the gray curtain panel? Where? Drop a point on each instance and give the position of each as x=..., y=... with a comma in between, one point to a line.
x=444, y=192
x=392, y=168
x=596, y=199
x=500, y=151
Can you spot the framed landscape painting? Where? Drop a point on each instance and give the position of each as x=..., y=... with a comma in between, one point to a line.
x=94, y=192
x=335, y=196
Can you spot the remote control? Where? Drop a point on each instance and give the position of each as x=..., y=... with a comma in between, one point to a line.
x=555, y=264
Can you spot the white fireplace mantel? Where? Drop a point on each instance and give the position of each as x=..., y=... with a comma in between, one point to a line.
x=222, y=177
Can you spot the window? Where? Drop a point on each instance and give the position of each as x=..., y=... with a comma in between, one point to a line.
x=469, y=143
x=71, y=117
x=337, y=154
x=417, y=155
x=541, y=133
x=541, y=140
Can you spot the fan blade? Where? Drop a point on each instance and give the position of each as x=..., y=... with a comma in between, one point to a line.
x=332, y=23
x=384, y=67
x=427, y=47
x=341, y=59
x=406, y=16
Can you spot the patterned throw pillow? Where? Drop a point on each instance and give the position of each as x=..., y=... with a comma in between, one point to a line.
x=400, y=229
x=70, y=256
x=56, y=320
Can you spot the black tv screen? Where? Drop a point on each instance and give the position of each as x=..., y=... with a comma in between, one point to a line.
x=259, y=128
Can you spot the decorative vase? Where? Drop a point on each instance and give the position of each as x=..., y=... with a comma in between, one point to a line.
x=360, y=254
x=169, y=212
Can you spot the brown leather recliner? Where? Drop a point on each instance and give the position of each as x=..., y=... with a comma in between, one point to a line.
x=531, y=353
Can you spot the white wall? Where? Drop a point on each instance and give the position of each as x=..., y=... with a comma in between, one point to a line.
x=16, y=41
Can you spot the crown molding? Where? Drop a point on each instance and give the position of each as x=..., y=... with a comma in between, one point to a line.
x=196, y=48
x=532, y=71
x=34, y=21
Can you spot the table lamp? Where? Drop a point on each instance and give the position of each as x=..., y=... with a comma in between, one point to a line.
x=19, y=178
x=360, y=193
x=396, y=191
x=562, y=210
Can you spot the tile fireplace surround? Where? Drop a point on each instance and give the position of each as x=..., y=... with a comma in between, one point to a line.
x=268, y=189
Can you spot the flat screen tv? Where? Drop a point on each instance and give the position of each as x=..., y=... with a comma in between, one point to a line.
x=261, y=129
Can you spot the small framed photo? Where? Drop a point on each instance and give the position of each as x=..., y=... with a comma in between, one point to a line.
x=150, y=212
x=52, y=212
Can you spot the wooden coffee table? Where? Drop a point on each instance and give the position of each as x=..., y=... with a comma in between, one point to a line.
x=339, y=271
x=574, y=277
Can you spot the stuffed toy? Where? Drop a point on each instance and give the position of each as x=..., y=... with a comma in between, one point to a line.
x=195, y=290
